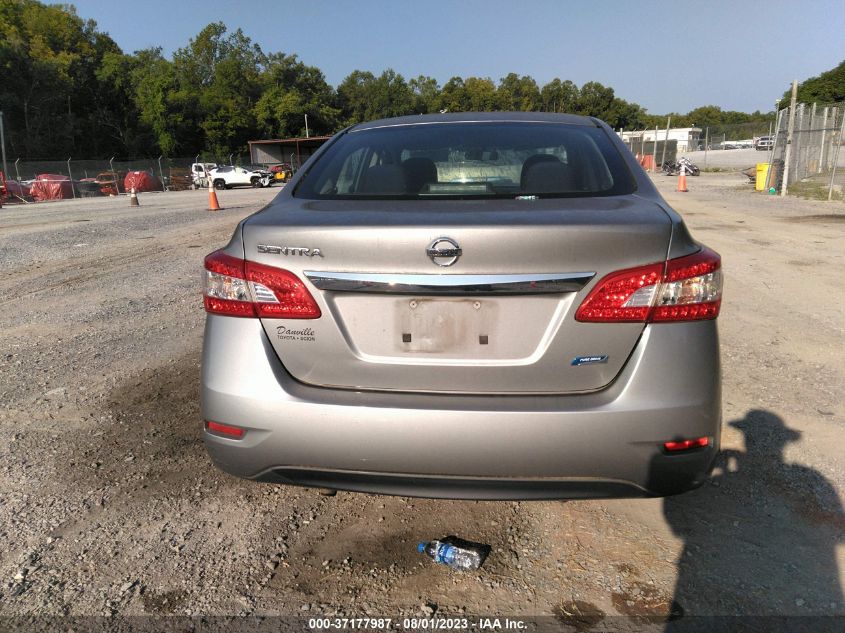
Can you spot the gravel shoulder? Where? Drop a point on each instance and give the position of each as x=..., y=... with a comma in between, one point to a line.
x=109, y=505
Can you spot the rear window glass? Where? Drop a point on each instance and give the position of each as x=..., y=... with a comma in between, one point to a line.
x=468, y=160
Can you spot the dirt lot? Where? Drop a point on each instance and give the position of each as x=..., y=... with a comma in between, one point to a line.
x=109, y=505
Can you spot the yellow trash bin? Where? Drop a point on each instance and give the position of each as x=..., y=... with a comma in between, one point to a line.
x=762, y=175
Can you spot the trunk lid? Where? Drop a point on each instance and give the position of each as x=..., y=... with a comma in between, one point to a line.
x=500, y=319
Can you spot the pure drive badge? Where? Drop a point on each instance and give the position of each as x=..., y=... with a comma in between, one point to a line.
x=588, y=360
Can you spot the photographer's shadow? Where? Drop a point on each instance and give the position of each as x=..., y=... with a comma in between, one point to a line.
x=760, y=536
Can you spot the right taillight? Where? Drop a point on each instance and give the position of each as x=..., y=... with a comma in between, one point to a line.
x=235, y=287
x=683, y=289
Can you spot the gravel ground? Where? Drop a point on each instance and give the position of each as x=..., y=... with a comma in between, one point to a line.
x=109, y=505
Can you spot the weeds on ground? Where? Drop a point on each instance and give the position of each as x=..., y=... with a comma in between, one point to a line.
x=813, y=190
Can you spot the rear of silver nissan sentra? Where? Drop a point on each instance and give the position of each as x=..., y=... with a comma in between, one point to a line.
x=489, y=306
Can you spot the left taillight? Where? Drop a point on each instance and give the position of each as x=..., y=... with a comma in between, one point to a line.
x=240, y=288
x=683, y=289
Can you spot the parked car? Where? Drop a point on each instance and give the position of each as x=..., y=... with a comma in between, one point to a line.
x=765, y=143
x=226, y=177
x=534, y=323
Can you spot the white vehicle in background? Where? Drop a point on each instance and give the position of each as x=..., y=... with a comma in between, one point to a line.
x=199, y=174
x=227, y=176
x=764, y=143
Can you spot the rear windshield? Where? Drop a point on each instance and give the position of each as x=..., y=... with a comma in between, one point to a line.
x=469, y=160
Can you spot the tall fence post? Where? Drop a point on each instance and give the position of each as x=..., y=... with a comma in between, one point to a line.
x=834, y=111
x=17, y=173
x=770, y=173
x=789, y=131
x=835, y=160
x=822, y=140
x=70, y=175
x=161, y=173
x=114, y=176
x=706, y=145
x=654, y=153
x=3, y=142
x=666, y=141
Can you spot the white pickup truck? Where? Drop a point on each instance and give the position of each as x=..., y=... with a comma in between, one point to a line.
x=199, y=174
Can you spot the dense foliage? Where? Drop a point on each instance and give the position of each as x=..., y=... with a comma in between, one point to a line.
x=68, y=90
x=829, y=87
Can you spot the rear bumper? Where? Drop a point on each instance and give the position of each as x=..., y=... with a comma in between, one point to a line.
x=604, y=444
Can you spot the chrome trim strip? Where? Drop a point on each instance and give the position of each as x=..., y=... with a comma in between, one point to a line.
x=386, y=283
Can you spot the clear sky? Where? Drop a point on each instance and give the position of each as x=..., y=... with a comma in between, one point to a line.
x=666, y=56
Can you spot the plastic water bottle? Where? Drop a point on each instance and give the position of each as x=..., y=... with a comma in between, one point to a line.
x=452, y=555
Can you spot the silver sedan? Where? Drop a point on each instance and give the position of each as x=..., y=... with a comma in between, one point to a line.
x=488, y=306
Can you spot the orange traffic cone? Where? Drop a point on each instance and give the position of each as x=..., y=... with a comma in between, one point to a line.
x=682, y=179
x=213, y=205
x=133, y=199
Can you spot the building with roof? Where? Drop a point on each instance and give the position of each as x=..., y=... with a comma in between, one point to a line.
x=687, y=137
x=285, y=150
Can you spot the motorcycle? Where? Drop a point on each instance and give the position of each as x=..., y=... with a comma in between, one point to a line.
x=673, y=169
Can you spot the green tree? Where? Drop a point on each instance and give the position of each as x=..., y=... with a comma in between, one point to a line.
x=48, y=81
x=559, y=96
x=362, y=96
x=480, y=94
x=290, y=91
x=517, y=93
x=353, y=94
x=622, y=114
x=157, y=99
x=828, y=87
x=217, y=86
x=426, y=93
x=594, y=99
x=453, y=97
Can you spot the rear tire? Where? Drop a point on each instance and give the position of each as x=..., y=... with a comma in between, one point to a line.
x=219, y=184
x=255, y=181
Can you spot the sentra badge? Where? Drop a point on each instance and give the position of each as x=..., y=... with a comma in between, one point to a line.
x=302, y=251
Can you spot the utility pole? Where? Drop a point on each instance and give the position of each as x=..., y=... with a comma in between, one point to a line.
x=789, y=130
x=3, y=144
x=666, y=141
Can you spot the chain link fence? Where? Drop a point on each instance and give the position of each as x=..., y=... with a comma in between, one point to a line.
x=90, y=178
x=732, y=136
x=812, y=161
x=650, y=153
